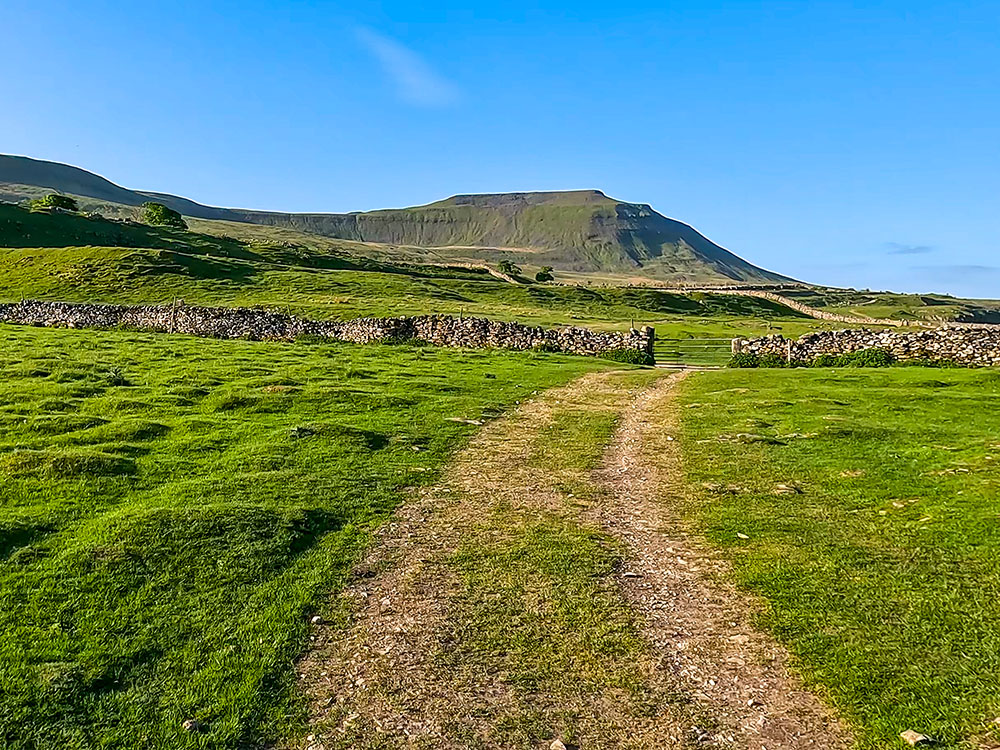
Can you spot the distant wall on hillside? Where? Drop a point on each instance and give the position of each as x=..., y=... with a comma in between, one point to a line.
x=959, y=344
x=262, y=325
x=824, y=314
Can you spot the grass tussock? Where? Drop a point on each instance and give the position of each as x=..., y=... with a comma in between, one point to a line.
x=64, y=464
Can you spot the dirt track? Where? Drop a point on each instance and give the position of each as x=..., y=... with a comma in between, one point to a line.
x=709, y=679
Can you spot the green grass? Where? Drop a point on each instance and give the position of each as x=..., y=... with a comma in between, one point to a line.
x=42, y=235
x=157, y=277
x=174, y=509
x=863, y=508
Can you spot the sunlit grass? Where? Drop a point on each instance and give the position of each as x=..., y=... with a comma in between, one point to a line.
x=172, y=511
x=863, y=507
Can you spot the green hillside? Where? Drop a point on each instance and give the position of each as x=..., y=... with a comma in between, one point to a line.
x=73, y=258
x=577, y=231
x=582, y=230
x=21, y=228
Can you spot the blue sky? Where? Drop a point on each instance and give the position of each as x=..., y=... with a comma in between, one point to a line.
x=843, y=143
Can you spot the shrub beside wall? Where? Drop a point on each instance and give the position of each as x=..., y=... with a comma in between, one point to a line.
x=861, y=358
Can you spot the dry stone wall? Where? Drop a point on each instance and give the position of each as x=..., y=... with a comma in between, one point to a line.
x=823, y=314
x=773, y=294
x=259, y=324
x=960, y=344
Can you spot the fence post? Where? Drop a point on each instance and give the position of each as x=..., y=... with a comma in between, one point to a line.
x=788, y=351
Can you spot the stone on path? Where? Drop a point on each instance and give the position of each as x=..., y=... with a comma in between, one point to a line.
x=915, y=738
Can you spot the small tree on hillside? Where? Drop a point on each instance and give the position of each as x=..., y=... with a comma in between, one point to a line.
x=508, y=268
x=545, y=274
x=54, y=200
x=161, y=216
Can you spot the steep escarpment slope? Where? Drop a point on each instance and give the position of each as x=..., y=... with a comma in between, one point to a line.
x=580, y=230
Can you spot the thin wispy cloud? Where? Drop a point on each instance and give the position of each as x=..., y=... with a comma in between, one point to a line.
x=898, y=248
x=415, y=80
x=851, y=265
x=957, y=271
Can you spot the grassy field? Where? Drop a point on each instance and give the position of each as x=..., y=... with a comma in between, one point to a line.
x=862, y=506
x=73, y=258
x=155, y=265
x=174, y=510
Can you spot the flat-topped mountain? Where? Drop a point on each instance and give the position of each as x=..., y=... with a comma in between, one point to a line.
x=578, y=230
x=504, y=200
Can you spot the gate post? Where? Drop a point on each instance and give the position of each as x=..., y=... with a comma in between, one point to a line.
x=649, y=335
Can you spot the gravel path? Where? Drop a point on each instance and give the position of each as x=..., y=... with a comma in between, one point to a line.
x=696, y=625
